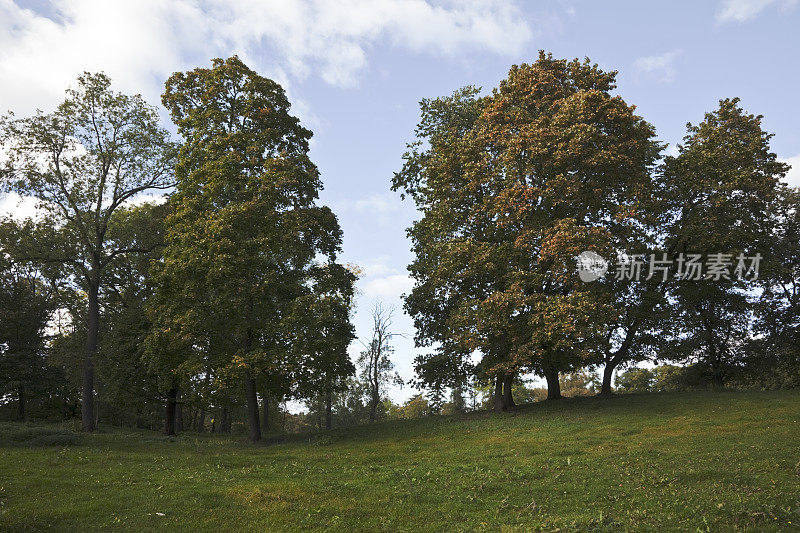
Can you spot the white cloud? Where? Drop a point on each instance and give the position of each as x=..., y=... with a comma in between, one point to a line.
x=147, y=198
x=140, y=42
x=660, y=68
x=742, y=10
x=672, y=150
x=793, y=177
x=383, y=208
x=388, y=287
x=19, y=207
x=137, y=43
x=382, y=281
x=378, y=268
x=371, y=204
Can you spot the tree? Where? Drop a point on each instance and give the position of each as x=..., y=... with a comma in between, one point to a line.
x=670, y=378
x=247, y=246
x=349, y=405
x=82, y=163
x=579, y=383
x=375, y=360
x=127, y=391
x=513, y=187
x=433, y=176
x=26, y=304
x=719, y=190
x=773, y=358
x=416, y=407
x=322, y=332
x=636, y=332
x=457, y=403
x=636, y=380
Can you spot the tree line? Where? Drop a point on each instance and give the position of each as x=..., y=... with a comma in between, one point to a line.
x=228, y=298
x=514, y=185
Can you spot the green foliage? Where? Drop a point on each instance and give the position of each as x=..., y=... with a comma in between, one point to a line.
x=671, y=378
x=83, y=163
x=521, y=390
x=719, y=191
x=415, y=407
x=636, y=380
x=773, y=359
x=524, y=393
x=27, y=302
x=127, y=391
x=665, y=378
x=249, y=286
x=576, y=384
x=350, y=406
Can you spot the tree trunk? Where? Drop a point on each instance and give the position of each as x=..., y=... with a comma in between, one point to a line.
x=21, y=402
x=508, y=398
x=250, y=382
x=553, y=387
x=169, y=415
x=92, y=334
x=499, y=403
x=328, y=405
x=252, y=407
x=228, y=419
x=265, y=412
x=717, y=374
x=373, y=406
x=615, y=358
x=201, y=421
x=458, y=398
x=608, y=373
x=375, y=384
x=225, y=421
x=178, y=414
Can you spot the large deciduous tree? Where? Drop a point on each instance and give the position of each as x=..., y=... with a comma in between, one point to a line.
x=720, y=190
x=83, y=162
x=248, y=249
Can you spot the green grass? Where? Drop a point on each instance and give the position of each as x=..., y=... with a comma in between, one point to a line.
x=688, y=461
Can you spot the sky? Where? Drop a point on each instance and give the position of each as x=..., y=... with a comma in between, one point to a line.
x=355, y=71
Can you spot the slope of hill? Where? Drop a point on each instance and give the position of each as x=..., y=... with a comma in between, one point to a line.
x=705, y=461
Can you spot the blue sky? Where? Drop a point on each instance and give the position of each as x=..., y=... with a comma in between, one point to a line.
x=355, y=71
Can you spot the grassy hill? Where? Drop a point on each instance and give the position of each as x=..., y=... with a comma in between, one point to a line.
x=708, y=461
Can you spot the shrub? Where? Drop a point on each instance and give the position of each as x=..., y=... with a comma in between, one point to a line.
x=39, y=436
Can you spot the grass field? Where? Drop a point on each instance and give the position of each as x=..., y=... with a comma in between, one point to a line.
x=686, y=461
